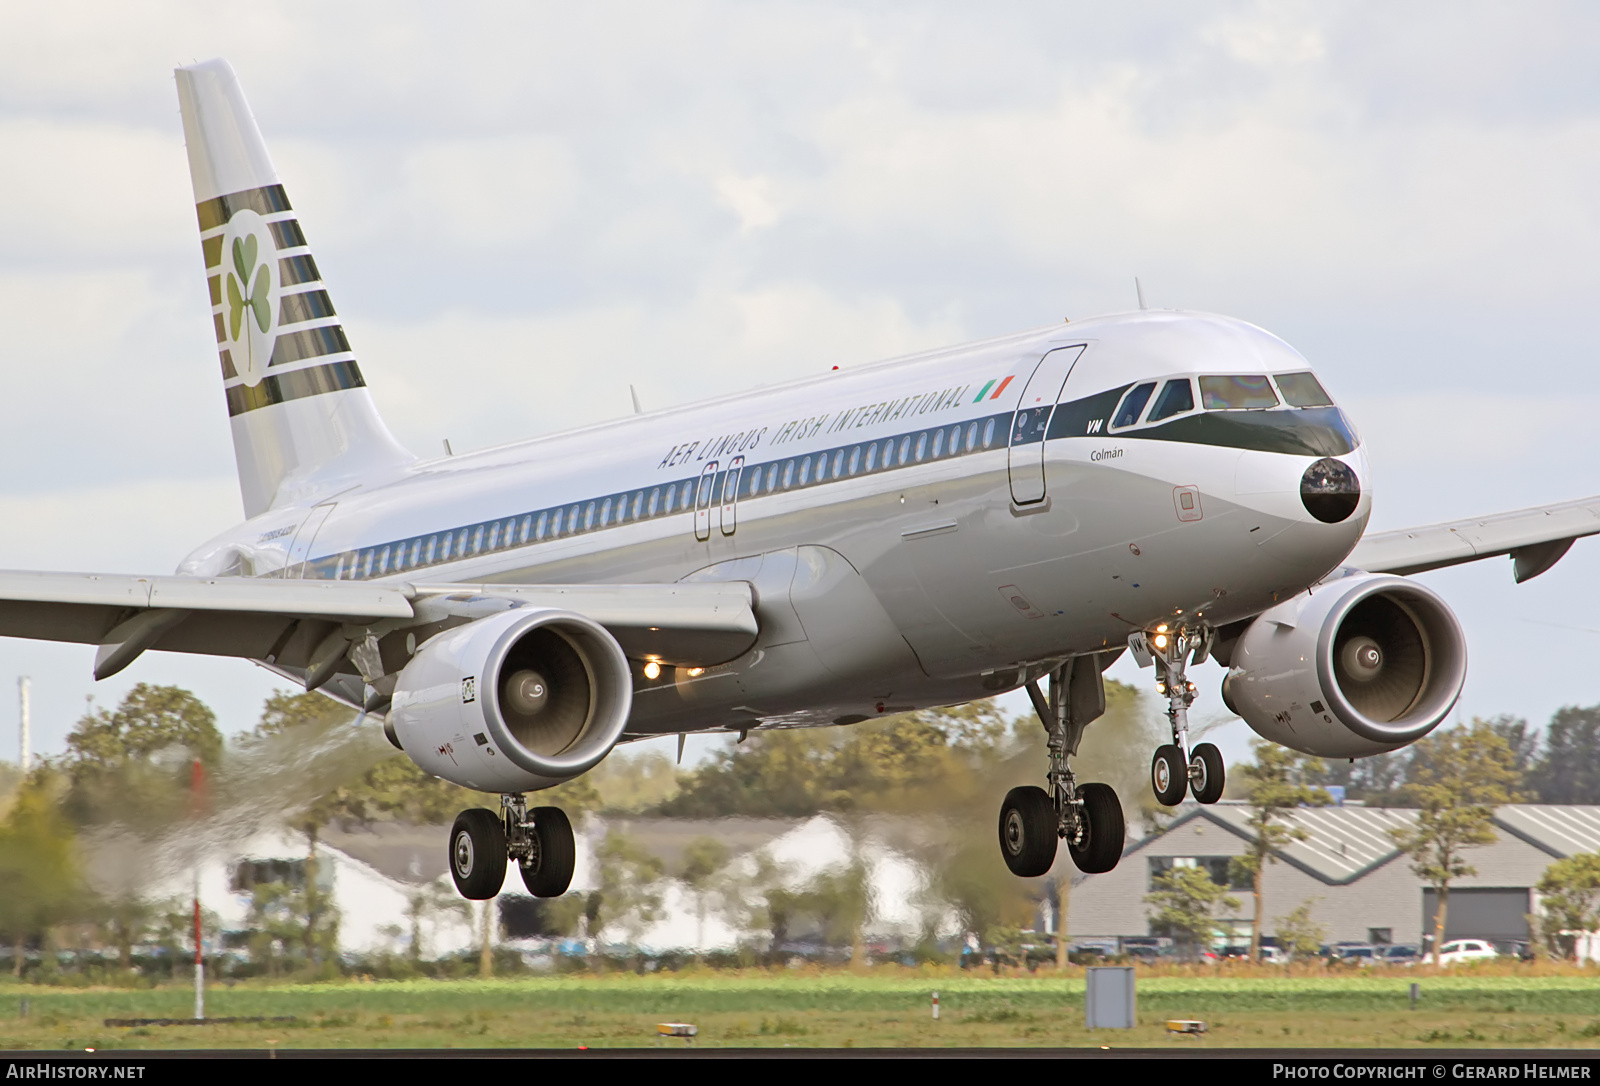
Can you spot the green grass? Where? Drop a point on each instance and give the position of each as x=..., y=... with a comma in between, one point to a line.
x=881, y=1008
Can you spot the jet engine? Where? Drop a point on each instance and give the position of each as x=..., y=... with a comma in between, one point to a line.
x=514, y=702
x=1361, y=664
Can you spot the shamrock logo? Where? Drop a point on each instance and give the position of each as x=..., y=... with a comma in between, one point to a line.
x=250, y=311
x=244, y=262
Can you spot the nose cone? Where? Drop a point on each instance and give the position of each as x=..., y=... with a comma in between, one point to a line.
x=1330, y=491
x=1311, y=512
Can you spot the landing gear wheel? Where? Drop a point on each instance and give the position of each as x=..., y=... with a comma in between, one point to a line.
x=1028, y=823
x=1098, y=846
x=1168, y=775
x=478, y=854
x=1206, y=773
x=547, y=869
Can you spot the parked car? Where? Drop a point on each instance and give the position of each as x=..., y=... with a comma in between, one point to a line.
x=1402, y=954
x=1466, y=950
x=1362, y=954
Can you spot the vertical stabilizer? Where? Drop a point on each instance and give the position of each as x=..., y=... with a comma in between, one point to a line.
x=304, y=424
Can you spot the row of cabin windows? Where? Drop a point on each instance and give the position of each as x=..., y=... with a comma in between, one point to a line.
x=891, y=452
x=536, y=527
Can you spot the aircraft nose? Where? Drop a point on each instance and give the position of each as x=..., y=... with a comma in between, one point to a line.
x=1330, y=491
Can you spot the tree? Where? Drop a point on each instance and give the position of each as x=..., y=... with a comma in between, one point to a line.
x=133, y=764
x=1185, y=901
x=427, y=902
x=1569, y=770
x=1298, y=934
x=628, y=896
x=1569, y=891
x=289, y=713
x=38, y=866
x=1458, y=779
x=1276, y=786
x=703, y=859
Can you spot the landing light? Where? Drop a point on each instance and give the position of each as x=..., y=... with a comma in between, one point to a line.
x=652, y=670
x=696, y=672
x=1160, y=641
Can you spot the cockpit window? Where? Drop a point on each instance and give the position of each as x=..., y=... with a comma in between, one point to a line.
x=1133, y=405
x=1303, y=390
x=1236, y=393
x=1176, y=398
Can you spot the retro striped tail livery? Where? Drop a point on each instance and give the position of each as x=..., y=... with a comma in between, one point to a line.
x=280, y=340
x=1014, y=513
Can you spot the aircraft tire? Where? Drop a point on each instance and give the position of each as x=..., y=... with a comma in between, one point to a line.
x=547, y=872
x=1028, y=823
x=478, y=854
x=1100, y=845
x=1208, y=773
x=1169, y=777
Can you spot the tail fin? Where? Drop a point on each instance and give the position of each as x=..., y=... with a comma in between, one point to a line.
x=304, y=424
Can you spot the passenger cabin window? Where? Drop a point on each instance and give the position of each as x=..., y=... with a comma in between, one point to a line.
x=1302, y=390
x=1236, y=393
x=1176, y=398
x=1133, y=405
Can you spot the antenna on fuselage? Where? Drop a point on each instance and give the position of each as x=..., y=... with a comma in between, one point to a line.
x=637, y=410
x=1138, y=288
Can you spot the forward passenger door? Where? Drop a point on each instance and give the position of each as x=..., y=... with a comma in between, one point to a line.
x=1032, y=419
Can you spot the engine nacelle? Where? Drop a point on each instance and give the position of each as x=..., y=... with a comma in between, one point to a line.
x=514, y=702
x=1362, y=664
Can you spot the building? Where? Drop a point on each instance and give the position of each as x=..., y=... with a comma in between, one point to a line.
x=1361, y=888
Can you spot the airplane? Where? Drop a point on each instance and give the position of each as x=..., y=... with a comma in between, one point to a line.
x=1009, y=514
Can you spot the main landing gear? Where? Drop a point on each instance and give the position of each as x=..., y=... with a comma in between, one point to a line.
x=1177, y=769
x=1087, y=816
x=539, y=840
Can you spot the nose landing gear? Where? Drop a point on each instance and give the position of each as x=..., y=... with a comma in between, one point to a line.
x=1087, y=816
x=539, y=840
x=1177, y=769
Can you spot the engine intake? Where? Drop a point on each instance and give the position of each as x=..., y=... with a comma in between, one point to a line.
x=514, y=702
x=1363, y=664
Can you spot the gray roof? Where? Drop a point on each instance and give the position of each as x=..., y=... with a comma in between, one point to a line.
x=1345, y=843
x=1562, y=830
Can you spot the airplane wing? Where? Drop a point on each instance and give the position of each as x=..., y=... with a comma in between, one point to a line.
x=1536, y=539
x=306, y=624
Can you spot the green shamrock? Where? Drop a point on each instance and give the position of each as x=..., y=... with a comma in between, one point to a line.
x=244, y=262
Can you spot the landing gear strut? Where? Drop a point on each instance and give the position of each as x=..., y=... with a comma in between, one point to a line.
x=1087, y=816
x=1177, y=769
x=539, y=840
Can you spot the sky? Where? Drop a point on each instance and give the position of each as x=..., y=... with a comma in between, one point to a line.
x=522, y=209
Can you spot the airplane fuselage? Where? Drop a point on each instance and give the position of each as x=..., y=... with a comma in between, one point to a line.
x=919, y=532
